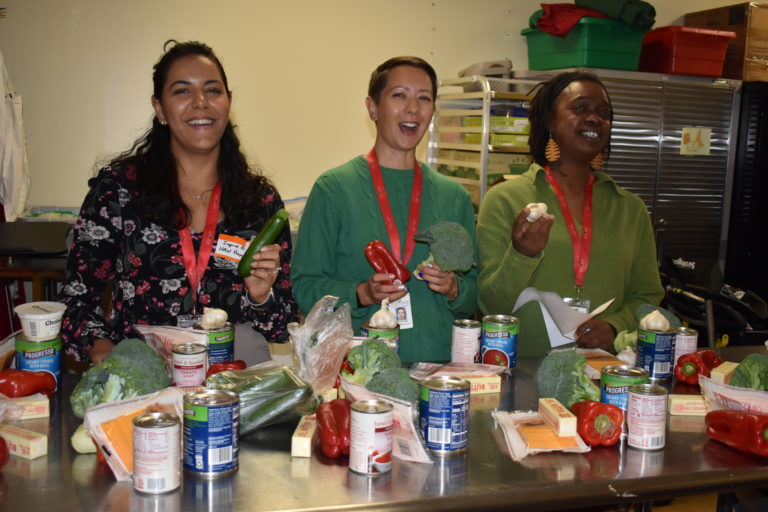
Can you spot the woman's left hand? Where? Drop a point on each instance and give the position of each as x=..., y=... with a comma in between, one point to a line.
x=439, y=281
x=595, y=333
x=264, y=270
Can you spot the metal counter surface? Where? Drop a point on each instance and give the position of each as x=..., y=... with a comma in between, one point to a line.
x=484, y=478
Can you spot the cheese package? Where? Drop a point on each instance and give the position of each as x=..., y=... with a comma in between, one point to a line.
x=597, y=359
x=482, y=378
x=724, y=372
x=303, y=439
x=687, y=405
x=35, y=406
x=24, y=443
x=557, y=417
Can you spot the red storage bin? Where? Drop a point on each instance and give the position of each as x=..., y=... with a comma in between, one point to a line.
x=685, y=51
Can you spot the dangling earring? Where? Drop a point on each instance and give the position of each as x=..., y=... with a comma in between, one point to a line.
x=552, y=151
x=163, y=122
x=597, y=162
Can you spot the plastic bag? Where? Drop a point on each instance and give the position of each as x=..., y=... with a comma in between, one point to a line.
x=9, y=410
x=268, y=394
x=321, y=342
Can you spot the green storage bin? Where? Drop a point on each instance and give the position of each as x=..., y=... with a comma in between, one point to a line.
x=592, y=43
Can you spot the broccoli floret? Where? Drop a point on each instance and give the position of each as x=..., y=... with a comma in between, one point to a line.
x=369, y=358
x=133, y=368
x=395, y=382
x=450, y=246
x=625, y=339
x=752, y=373
x=561, y=375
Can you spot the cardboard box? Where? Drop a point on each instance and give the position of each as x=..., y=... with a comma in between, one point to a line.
x=746, y=57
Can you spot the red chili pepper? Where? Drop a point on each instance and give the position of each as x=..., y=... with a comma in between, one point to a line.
x=341, y=413
x=742, y=430
x=710, y=358
x=598, y=423
x=689, y=367
x=225, y=366
x=16, y=383
x=383, y=262
x=330, y=442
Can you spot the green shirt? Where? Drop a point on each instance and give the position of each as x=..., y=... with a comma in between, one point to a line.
x=342, y=216
x=622, y=259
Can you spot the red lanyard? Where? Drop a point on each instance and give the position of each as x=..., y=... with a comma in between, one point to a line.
x=581, y=245
x=196, y=266
x=386, y=209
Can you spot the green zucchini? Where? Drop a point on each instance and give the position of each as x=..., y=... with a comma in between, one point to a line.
x=266, y=236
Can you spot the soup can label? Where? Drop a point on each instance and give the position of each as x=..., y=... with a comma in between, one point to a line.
x=370, y=437
x=221, y=344
x=190, y=364
x=615, y=381
x=655, y=350
x=38, y=356
x=686, y=342
x=646, y=416
x=211, y=421
x=389, y=336
x=444, y=407
x=156, y=453
x=498, y=343
x=465, y=341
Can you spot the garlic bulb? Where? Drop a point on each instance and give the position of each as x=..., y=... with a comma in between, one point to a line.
x=654, y=321
x=383, y=318
x=536, y=211
x=213, y=318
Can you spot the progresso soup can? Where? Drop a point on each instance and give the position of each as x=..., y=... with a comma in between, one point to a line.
x=498, y=340
x=614, y=384
x=444, y=408
x=655, y=350
x=39, y=355
x=211, y=421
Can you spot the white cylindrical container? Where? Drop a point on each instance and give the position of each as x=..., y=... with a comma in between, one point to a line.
x=686, y=342
x=156, y=453
x=40, y=321
x=646, y=416
x=465, y=341
x=370, y=437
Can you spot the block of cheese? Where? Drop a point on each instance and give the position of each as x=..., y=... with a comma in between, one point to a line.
x=560, y=420
x=35, y=406
x=687, y=405
x=724, y=372
x=24, y=443
x=303, y=439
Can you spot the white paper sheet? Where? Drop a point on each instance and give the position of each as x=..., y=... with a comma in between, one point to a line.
x=560, y=319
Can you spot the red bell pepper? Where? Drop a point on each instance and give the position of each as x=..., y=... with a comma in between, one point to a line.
x=710, y=358
x=333, y=427
x=598, y=423
x=225, y=366
x=689, y=367
x=383, y=262
x=742, y=430
x=16, y=383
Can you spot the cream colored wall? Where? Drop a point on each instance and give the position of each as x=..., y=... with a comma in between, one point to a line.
x=298, y=69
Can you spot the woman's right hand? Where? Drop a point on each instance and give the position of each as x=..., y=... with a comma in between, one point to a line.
x=100, y=350
x=530, y=238
x=373, y=291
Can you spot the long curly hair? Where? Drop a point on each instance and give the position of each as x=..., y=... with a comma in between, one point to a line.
x=542, y=110
x=157, y=190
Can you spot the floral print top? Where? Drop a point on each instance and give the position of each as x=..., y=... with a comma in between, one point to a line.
x=150, y=282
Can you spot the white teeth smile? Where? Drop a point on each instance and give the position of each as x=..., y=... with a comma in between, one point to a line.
x=410, y=125
x=200, y=122
x=591, y=135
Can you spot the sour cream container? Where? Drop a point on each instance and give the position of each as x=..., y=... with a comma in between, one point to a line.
x=40, y=321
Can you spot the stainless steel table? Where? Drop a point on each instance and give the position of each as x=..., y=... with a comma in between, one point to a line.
x=485, y=478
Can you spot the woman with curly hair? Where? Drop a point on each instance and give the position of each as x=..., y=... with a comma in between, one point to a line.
x=168, y=220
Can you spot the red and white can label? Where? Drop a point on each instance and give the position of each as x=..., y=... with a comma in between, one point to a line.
x=190, y=364
x=156, y=453
x=370, y=437
x=646, y=416
x=465, y=341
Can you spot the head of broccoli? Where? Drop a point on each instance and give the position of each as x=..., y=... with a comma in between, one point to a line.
x=561, y=375
x=395, y=382
x=133, y=368
x=752, y=373
x=450, y=246
x=370, y=357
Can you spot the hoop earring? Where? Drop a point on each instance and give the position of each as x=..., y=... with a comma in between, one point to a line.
x=552, y=151
x=597, y=162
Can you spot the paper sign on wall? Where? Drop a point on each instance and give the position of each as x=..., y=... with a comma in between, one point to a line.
x=695, y=141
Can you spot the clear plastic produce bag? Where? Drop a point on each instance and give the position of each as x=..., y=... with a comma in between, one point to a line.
x=321, y=342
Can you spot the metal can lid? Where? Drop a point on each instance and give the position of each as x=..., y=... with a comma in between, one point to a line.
x=156, y=420
x=445, y=382
x=499, y=319
x=647, y=389
x=687, y=330
x=371, y=406
x=189, y=348
x=466, y=323
x=212, y=397
x=624, y=370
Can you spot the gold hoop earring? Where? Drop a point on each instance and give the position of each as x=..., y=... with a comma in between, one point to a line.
x=552, y=151
x=597, y=162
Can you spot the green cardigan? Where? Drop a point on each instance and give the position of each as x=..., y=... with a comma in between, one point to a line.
x=342, y=216
x=622, y=263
